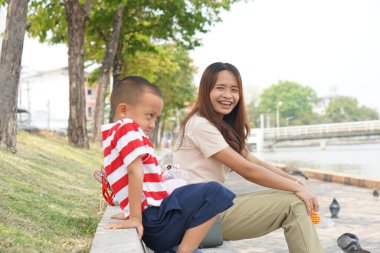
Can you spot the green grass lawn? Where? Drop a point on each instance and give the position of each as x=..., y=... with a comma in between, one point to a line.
x=49, y=199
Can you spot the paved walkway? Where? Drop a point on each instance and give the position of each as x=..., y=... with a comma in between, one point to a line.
x=359, y=214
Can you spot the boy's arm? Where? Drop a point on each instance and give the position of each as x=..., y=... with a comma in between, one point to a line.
x=135, y=187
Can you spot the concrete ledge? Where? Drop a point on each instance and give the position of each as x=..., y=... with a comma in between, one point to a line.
x=115, y=240
x=341, y=178
x=126, y=240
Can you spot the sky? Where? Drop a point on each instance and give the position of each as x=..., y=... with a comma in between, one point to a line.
x=332, y=46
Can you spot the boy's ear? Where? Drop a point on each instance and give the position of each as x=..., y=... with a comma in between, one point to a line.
x=121, y=110
x=122, y=107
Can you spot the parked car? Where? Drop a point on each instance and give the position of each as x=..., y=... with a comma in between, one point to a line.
x=24, y=120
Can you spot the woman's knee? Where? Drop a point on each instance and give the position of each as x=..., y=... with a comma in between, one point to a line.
x=293, y=203
x=297, y=206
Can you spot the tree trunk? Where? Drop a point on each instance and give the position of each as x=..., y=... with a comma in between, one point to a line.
x=155, y=134
x=76, y=18
x=162, y=130
x=105, y=72
x=118, y=63
x=117, y=68
x=10, y=66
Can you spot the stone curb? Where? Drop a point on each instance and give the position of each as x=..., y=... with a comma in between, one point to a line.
x=126, y=240
x=335, y=177
x=115, y=240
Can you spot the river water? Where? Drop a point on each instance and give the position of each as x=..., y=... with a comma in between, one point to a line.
x=358, y=159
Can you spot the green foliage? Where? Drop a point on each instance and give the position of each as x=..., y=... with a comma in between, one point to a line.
x=294, y=102
x=47, y=21
x=346, y=109
x=94, y=76
x=144, y=21
x=171, y=69
x=254, y=112
x=180, y=20
x=50, y=201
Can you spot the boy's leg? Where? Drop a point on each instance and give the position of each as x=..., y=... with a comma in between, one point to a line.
x=194, y=236
x=259, y=213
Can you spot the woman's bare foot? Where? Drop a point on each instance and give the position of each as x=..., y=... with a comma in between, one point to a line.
x=119, y=216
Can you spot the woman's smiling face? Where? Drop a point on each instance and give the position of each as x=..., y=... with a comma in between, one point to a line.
x=224, y=95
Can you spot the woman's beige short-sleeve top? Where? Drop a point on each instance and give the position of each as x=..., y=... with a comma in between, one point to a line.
x=201, y=140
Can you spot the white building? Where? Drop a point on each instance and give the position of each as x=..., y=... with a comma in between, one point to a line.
x=45, y=94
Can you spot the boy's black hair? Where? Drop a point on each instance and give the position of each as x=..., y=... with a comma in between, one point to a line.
x=130, y=89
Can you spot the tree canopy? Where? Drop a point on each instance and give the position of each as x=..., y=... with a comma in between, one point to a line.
x=144, y=24
x=294, y=102
x=171, y=69
x=297, y=105
x=346, y=109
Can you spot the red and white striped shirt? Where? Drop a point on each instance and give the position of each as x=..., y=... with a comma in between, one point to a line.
x=123, y=142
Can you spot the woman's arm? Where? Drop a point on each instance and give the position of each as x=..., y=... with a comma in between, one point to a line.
x=266, y=165
x=266, y=177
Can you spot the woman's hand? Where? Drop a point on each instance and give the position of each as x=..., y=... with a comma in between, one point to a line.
x=309, y=198
x=131, y=223
x=315, y=201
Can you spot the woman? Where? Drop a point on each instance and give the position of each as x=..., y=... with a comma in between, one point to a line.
x=212, y=143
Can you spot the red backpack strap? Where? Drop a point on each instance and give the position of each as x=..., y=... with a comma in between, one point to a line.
x=107, y=193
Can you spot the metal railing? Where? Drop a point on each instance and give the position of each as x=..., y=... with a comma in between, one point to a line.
x=321, y=130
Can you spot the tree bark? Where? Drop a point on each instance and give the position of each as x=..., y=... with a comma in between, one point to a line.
x=117, y=68
x=154, y=137
x=10, y=67
x=163, y=124
x=118, y=63
x=76, y=19
x=105, y=72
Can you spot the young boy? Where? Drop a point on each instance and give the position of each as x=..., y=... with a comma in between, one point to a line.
x=163, y=221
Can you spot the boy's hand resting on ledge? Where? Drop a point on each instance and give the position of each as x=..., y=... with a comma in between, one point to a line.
x=118, y=216
x=131, y=223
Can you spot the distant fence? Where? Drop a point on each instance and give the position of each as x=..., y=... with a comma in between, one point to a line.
x=331, y=130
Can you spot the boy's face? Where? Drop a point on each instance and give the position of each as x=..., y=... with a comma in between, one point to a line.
x=144, y=113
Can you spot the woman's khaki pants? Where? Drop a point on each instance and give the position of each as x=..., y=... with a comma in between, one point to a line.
x=259, y=213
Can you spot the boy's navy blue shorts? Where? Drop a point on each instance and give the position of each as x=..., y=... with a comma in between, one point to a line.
x=188, y=206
